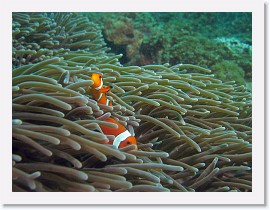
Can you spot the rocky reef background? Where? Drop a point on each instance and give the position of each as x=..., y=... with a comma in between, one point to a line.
x=219, y=41
x=194, y=131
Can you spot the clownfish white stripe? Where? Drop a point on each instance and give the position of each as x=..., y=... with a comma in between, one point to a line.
x=121, y=137
x=107, y=102
x=101, y=84
x=100, y=95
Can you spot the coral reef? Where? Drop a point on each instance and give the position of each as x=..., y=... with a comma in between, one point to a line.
x=197, y=38
x=193, y=130
x=175, y=43
x=122, y=35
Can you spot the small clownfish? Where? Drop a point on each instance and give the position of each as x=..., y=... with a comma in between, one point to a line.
x=98, y=90
x=123, y=137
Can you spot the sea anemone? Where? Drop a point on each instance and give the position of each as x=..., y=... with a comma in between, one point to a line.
x=193, y=130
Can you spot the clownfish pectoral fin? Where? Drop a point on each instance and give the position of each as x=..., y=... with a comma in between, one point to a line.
x=105, y=89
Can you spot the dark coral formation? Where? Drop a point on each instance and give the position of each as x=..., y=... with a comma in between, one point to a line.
x=193, y=130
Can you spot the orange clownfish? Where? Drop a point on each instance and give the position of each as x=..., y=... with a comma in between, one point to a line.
x=123, y=137
x=98, y=90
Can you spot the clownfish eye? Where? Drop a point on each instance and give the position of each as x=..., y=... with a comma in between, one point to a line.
x=128, y=142
x=99, y=77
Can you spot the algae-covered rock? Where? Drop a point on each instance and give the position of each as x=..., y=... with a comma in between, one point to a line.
x=228, y=70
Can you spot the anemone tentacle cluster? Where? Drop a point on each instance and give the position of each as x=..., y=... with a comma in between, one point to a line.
x=194, y=132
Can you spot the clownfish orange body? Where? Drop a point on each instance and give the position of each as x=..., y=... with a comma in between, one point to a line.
x=123, y=137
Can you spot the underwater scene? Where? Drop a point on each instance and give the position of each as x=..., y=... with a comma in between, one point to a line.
x=132, y=102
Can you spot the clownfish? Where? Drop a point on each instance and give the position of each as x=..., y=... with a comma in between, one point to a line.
x=98, y=90
x=123, y=137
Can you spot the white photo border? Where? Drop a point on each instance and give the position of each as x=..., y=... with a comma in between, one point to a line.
x=257, y=196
